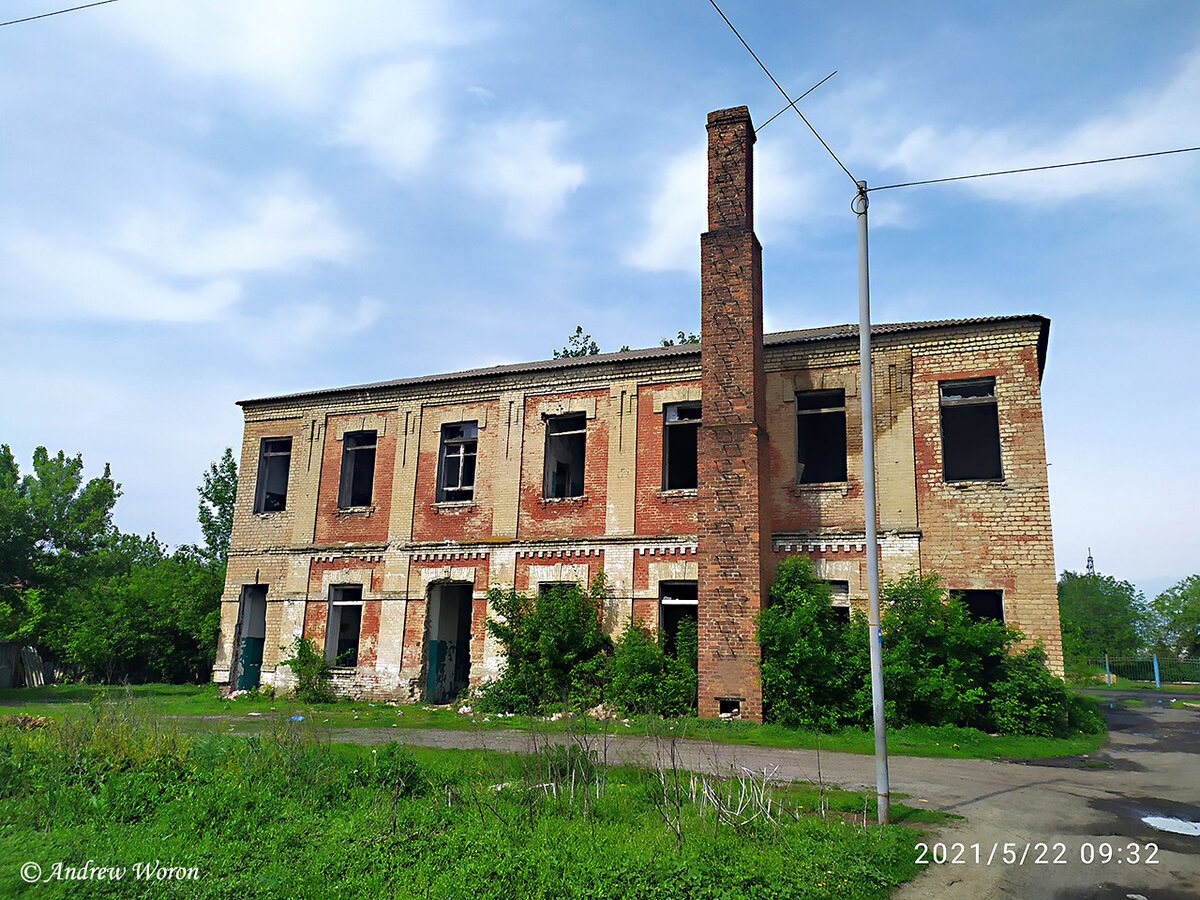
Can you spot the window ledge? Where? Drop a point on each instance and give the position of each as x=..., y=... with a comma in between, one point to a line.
x=453, y=506
x=841, y=488
x=364, y=511
x=976, y=484
x=270, y=513
x=677, y=494
x=568, y=501
x=343, y=670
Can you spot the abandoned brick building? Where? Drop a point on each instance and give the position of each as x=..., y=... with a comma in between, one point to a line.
x=373, y=519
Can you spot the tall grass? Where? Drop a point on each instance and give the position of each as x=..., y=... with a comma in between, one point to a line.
x=284, y=814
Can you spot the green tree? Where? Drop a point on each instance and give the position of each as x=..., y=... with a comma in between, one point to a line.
x=578, y=344
x=554, y=645
x=1099, y=615
x=683, y=337
x=1176, y=618
x=54, y=527
x=217, y=495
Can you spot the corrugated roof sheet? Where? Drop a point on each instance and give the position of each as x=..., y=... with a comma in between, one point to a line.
x=799, y=336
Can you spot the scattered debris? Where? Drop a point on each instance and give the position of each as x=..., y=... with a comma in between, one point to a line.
x=298, y=719
x=27, y=723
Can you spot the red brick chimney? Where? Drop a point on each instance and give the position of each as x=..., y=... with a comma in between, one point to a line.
x=734, y=538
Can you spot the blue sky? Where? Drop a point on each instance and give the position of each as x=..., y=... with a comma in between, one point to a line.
x=209, y=201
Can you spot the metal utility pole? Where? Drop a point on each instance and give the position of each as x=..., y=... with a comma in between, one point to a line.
x=883, y=792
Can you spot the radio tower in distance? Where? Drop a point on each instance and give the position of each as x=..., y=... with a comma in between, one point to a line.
x=1091, y=564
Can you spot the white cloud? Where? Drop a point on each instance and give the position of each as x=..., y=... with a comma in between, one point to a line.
x=392, y=116
x=90, y=282
x=293, y=50
x=283, y=227
x=183, y=261
x=519, y=164
x=296, y=327
x=1146, y=121
x=678, y=212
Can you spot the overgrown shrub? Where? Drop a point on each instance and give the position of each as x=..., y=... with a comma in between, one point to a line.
x=811, y=670
x=554, y=647
x=645, y=679
x=312, y=671
x=940, y=666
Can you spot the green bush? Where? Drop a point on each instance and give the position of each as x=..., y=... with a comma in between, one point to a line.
x=312, y=671
x=554, y=648
x=941, y=667
x=811, y=670
x=646, y=680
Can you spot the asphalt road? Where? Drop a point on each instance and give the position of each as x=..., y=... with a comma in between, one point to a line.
x=1081, y=808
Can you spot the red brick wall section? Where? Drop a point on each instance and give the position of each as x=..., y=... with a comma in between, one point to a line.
x=731, y=534
x=573, y=517
x=369, y=525
x=657, y=512
x=457, y=521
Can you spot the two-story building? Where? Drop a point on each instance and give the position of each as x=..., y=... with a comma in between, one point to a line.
x=374, y=519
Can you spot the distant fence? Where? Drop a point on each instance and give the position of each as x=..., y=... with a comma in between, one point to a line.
x=1157, y=669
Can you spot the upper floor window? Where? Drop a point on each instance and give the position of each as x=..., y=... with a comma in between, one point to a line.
x=358, y=469
x=820, y=436
x=970, y=430
x=681, y=431
x=456, y=473
x=274, y=460
x=566, y=441
x=983, y=606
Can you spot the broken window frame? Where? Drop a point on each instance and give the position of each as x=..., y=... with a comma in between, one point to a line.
x=274, y=465
x=970, y=449
x=457, y=461
x=821, y=415
x=680, y=595
x=839, y=598
x=681, y=445
x=355, y=489
x=343, y=597
x=561, y=479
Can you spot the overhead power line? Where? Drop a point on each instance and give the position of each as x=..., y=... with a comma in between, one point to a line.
x=1086, y=162
x=58, y=12
x=792, y=105
x=779, y=87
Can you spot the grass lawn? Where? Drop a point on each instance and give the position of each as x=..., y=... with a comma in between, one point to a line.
x=278, y=815
x=199, y=703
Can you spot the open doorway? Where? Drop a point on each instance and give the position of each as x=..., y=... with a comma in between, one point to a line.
x=678, y=613
x=251, y=635
x=447, y=642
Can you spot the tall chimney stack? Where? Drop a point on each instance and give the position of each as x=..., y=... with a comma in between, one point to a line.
x=734, y=538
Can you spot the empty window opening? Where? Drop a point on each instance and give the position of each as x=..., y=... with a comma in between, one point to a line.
x=274, y=460
x=456, y=475
x=344, y=624
x=970, y=430
x=565, y=443
x=547, y=587
x=678, y=616
x=983, y=605
x=820, y=436
x=358, y=469
x=681, y=431
x=447, y=642
x=839, y=598
x=250, y=636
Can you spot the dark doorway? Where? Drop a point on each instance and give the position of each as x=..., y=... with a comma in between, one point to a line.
x=447, y=642
x=251, y=635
